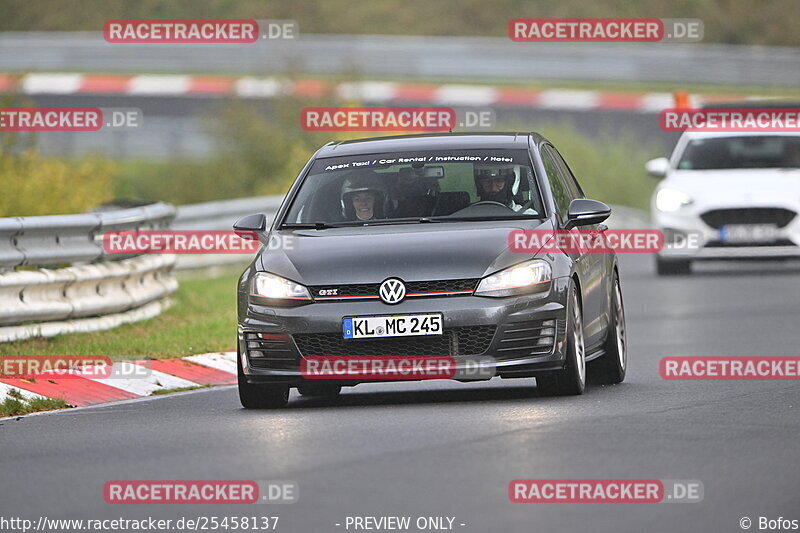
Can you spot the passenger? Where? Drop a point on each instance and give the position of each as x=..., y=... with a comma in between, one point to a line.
x=363, y=196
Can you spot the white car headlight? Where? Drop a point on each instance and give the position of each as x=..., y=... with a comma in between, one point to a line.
x=271, y=286
x=518, y=279
x=671, y=200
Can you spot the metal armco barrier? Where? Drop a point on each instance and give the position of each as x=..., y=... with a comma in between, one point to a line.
x=87, y=289
x=64, y=239
x=83, y=281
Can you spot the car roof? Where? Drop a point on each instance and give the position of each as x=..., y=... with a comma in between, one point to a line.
x=434, y=141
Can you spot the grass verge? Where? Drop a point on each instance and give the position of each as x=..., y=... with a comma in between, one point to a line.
x=15, y=404
x=202, y=319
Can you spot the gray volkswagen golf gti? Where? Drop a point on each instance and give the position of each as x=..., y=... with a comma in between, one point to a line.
x=398, y=247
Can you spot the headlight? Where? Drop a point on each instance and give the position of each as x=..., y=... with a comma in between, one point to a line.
x=671, y=200
x=526, y=277
x=271, y=286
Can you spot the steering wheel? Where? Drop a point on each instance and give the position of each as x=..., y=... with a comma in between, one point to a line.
x=489, y=202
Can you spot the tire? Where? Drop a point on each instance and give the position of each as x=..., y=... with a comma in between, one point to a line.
x=673, y=267
x=611, y=367
x=254, y=396
x=571, y=380
x=320, y=391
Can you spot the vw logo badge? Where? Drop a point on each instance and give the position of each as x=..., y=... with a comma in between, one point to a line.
x=392, y=291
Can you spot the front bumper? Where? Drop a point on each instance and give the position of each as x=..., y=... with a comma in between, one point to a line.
x=688, y=237
x=509, y=334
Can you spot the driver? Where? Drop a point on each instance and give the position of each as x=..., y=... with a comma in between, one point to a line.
x=363, y=196
x=498, y=183
x=493, y=183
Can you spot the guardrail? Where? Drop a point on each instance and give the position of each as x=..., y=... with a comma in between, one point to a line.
x=83, y=290
x=65, y=239
x=86, y=289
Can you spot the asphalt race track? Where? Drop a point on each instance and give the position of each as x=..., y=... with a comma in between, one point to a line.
x=450, y=449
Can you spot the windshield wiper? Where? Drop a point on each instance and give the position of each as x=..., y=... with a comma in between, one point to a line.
x=308, y=225
x=357, y=223
x=389, y=222
x=486, y=219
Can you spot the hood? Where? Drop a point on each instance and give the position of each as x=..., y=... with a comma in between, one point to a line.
x=767, y=186
x=410, y=252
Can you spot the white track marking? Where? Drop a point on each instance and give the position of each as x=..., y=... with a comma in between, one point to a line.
x=220, y=361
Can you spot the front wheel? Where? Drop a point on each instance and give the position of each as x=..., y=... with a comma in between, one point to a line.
x=611, y=367
x=255, y=396
x=571, y=380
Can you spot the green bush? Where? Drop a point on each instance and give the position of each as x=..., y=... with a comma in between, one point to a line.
x=42, y=186
x=259, y=154
x=35, y=185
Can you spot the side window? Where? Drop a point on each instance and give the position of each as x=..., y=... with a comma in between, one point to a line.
x=561, y=195
x=572, y=183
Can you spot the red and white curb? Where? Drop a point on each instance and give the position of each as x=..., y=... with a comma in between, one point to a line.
x=127, y=380
x=369, y=92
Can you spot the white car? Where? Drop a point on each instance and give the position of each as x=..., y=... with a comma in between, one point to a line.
x=727, y=196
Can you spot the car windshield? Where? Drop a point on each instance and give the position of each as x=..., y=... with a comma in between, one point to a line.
x=409, y=187
x=742, y=152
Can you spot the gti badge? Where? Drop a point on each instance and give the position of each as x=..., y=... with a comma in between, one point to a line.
x=392, y=291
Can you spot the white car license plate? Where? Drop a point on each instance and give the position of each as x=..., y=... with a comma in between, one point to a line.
x=371, y=327
x=734, y=233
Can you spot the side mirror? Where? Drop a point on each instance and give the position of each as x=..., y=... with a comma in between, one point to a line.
x=248, y=227
x=657, y=167
x=584, y=212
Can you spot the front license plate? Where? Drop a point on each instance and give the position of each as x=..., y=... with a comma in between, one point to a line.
x=734, y=233
x=371, y=327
